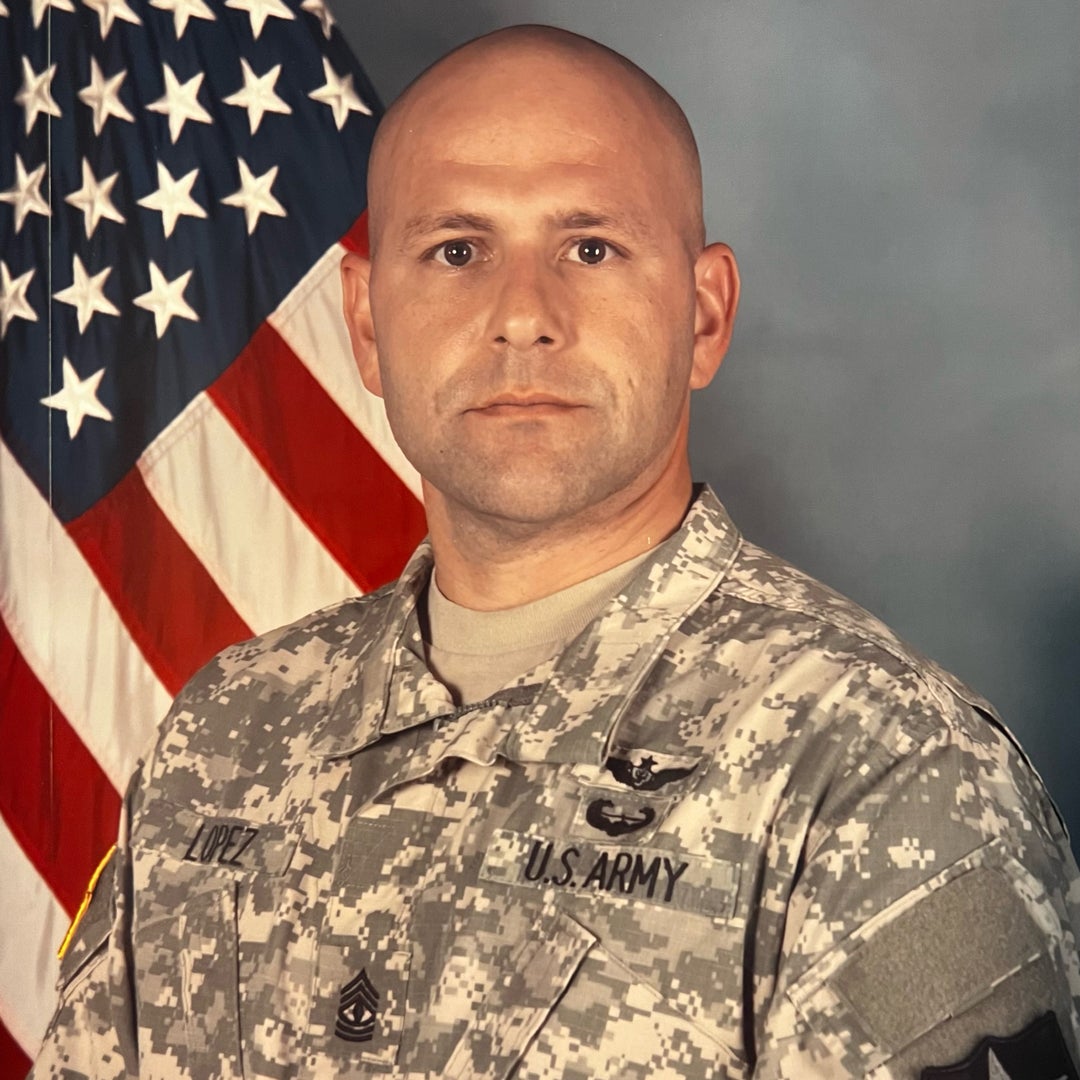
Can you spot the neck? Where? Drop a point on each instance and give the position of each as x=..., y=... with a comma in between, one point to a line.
x=490, y=565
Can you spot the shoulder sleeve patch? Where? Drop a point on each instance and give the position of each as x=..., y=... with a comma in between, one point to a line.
x=940, y=955
x=976, y=951
x=92, y=921
x=1036, y=1053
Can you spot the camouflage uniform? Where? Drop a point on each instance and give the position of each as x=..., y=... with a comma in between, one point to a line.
x=735, y=829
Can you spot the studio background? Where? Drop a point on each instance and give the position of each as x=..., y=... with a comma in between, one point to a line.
x=899, y=413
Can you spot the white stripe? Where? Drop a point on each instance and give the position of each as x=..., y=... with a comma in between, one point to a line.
x=68, y=631
x=253, y=544
x=309, y=319
x=34, y=926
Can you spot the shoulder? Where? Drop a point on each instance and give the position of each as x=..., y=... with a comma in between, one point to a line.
x=264, y=698
x=846, y=705
x=786, y=597
x=289, y=655
x=797, y=629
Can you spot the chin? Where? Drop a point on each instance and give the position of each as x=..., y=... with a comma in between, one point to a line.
x=531, y=498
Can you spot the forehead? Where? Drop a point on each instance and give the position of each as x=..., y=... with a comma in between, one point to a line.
x=515, y=127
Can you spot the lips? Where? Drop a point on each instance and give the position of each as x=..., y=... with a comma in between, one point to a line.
x=524, y=401
x=534, y=406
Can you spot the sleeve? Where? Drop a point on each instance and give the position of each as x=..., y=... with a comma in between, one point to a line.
x=92, y=1033
x=932, y=931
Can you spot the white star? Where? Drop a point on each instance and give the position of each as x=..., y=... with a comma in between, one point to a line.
x=87, y=294
x=25, y=196
x=173, y=198
x=35, y=96
x=183, y=10
x=180, y=102
x=257, y=95
x=103, y=97
x=339, y=94
x=78, y=398
x=108, y=11
x=321, y=12
x=166, y=299
x=13, y=302
x=261, y=10
x=254, y=195
x=39, y=6
x=93, y=199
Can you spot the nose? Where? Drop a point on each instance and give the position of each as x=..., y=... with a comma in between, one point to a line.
x=529, y=309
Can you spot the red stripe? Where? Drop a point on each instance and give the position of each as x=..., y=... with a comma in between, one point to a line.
x=356, y=239
x=54, y=797
x=170, y=605
x=304, y=441
x=13, y=1062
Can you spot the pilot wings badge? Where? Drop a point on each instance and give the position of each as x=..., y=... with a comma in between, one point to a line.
x=644, y=775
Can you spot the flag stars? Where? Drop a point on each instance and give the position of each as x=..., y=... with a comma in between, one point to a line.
x=108, y=11
x=13, y=302
x=78, y=398
x=257, y=95
x=103, y=97
x=87, y=294
x=26, y=196
x=38, y=7
x=182, y=10
x=166, y=299
x=35, y=96
x=338, y=93
x=254, y=195
x=94, y=199
x=180, y=102
x=259, y=11
x=321, y=12
x=173, y=198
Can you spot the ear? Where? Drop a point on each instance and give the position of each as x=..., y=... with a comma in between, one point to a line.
x=717, y=283
x=356, y=304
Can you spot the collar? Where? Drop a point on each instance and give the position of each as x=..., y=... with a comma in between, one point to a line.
x=563, y=711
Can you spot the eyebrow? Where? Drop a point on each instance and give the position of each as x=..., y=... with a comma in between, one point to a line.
x=584, y=219
x=461, y=221
x=426, y=224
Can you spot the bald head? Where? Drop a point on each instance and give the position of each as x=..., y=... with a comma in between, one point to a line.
x=544, y=79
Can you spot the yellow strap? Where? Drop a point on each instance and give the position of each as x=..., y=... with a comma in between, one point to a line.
x=84, y=905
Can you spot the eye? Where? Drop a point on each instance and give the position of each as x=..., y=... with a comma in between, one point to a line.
x=590, y=251
x=456, y=253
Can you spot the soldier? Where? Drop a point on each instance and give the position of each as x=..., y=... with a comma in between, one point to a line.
x=597, y=788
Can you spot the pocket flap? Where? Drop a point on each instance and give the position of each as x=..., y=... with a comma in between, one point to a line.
x=534, y=980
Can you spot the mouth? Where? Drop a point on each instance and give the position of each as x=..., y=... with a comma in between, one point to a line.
x=532, y=405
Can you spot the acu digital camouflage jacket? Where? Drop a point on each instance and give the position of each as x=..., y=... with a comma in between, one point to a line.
x=735, y=829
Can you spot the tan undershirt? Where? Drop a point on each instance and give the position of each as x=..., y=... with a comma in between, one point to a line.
x=475, y=653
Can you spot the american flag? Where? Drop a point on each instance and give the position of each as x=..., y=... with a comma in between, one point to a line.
x=187, y=454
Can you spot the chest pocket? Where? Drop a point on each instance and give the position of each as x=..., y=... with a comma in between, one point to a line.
x=189, y=872
x=529, y=982
x=562, y=1005
x=189, y=1001
x=610, y=1023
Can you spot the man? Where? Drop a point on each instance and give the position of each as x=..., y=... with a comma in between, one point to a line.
x=610, y=792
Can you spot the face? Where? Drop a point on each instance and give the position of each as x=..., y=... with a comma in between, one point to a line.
x=531, y=309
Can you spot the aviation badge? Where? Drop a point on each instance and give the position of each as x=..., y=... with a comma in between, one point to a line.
x=643, y=775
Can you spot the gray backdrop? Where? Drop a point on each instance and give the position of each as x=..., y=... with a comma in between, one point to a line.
x=900, y=410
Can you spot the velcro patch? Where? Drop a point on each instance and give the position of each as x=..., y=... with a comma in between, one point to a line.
x=1036, y=1053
